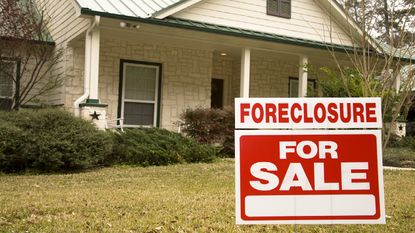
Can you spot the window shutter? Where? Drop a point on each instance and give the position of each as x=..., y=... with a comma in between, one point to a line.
x=285, y=8
x=273, y=7
x=281, y=8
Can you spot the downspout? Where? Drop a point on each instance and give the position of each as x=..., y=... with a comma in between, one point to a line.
x=87, y=68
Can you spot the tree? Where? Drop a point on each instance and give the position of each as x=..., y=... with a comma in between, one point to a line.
x=389, y=20
x=379, y=58
x=27, y=57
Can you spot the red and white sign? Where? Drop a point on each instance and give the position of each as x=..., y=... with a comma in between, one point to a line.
x=309, y=176
x=307, y=113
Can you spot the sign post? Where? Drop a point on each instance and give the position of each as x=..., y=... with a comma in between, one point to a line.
x=308, y=176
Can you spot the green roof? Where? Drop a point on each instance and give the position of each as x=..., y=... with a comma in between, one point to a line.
x=134, y=8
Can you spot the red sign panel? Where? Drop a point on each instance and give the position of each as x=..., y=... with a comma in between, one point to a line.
x=319, y=176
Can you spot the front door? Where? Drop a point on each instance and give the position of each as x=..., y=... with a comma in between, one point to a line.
x=140, y=94
x=216, y=97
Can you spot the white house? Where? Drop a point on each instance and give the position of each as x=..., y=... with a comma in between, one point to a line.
x=146, y=61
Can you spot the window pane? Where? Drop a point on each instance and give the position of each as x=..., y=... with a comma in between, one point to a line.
x=6, y=78
x=140, y=83
x=285, y=8
x=138, y=114
x=272, y=7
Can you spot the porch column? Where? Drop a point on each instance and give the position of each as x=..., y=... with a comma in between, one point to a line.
x=302, y=76
x=245, y=72
x=94, y=65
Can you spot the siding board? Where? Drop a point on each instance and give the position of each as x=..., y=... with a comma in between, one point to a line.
x=64, y=25
x=308, y=20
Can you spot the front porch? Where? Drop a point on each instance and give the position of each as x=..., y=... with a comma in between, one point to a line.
x=178, y=69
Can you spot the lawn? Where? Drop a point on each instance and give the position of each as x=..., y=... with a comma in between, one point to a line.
x=180, y=198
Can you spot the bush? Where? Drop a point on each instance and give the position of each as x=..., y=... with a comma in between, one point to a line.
x=399, y=157
x=153, y=146
x=50, y=140
x=399, y=142
x=211, y=126
x=12, y=145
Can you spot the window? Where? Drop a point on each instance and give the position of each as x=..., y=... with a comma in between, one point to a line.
x=280, y=8
x=293, y=87
x=7, y=76
x=140, y=93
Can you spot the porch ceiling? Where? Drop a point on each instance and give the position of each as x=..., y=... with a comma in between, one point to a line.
x=184, y=38
x=222, y=30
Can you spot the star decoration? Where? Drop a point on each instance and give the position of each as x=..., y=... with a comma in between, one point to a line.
x=95, y=115
x=400, y=128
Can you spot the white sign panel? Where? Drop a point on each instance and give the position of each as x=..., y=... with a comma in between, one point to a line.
x=308, y=113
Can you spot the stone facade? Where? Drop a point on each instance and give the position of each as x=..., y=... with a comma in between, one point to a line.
x=269, y=75
x=186, y=75
x=222, y=68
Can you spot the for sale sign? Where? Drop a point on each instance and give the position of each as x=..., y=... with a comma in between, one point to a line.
x=309, y=176
x=324, y=177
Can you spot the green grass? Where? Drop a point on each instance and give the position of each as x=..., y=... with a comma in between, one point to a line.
x=180, y=198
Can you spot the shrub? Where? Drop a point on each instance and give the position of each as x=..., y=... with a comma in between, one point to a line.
x=399, y=157
x=212, y=126
x=12, y=144
x=50, y=140
x=399, y=142
x=153, y=146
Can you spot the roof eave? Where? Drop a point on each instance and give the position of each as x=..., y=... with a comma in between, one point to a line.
x=172, y=22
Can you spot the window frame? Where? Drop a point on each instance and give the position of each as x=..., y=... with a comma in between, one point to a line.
x=121, y=92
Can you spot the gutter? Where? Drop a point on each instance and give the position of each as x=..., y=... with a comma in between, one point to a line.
x=87, y=68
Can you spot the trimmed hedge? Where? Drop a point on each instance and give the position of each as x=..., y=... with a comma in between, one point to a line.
x=50, y=140
x=153, y=146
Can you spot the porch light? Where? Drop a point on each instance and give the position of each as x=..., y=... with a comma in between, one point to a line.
x=223, y=54
x=128, y=25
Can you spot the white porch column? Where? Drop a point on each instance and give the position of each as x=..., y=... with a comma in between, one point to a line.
x=245, y=72
x=94, y=65
x=302, y=76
